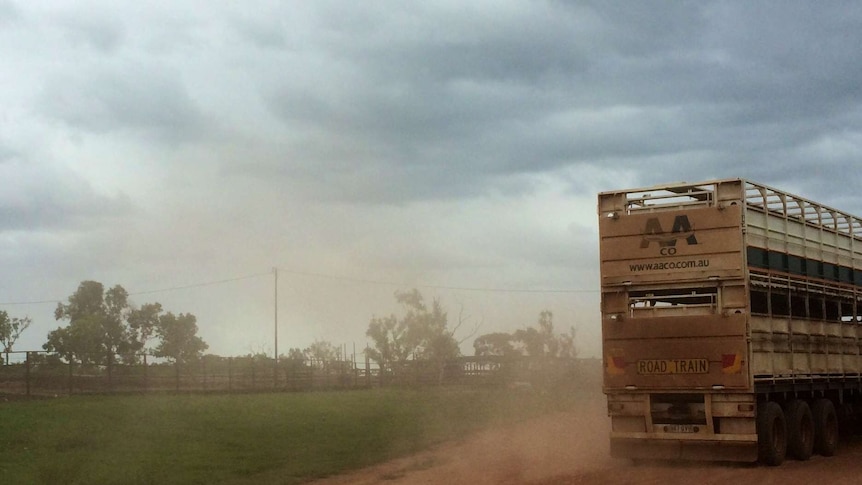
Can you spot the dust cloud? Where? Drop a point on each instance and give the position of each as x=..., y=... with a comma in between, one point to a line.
x=555, y=445
x=571, y=447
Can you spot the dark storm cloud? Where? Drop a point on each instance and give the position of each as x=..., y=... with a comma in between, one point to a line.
x=137, y=98
x=428, y=141
x=261, y=32
x=93, y=31
x=759, y=92
x=8, y=12
x=49, y=211
x=457, y=105
x=42, y=199
x=434, y=113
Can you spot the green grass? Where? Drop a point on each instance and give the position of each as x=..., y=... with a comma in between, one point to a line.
x=239, y=438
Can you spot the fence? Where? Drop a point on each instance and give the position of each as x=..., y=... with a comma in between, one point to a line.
x=41, y=374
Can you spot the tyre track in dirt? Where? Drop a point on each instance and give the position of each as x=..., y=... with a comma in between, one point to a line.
x=572, y=448
x=844, y=468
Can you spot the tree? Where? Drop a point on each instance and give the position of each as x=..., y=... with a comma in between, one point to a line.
x=322, y=354
x=427, y=328
x=421, y=333
x=178, y=338
x=10, y=330
x=294, y=360
x=144, y=322
x=389, y=336
x=323, y=350
x=495, y=344
x=81, y=341
x=538, y=341
x=103, y=324
x=97, y=327
x=541, y=341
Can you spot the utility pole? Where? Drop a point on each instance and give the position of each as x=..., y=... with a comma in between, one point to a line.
x=275, y=369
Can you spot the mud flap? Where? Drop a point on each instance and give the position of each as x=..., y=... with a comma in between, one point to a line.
x=645, y=449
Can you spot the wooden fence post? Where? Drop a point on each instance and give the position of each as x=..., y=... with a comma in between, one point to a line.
x=367, y=369
x=110, y=381
x=343, y=378
x=71, y=375
x=27, y=373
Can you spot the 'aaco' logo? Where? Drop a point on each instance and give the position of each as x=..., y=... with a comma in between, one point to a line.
x=681, y=229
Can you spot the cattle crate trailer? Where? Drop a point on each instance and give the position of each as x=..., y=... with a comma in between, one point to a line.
x=731, y=322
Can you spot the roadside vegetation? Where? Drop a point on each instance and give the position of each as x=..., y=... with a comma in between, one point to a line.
x=142, y=435
x=105, y=327
x=242, y=438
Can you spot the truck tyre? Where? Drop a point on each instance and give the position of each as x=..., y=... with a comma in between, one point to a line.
x=771, y=434
x=825, y=427
x=800, y=429
x=847, y=422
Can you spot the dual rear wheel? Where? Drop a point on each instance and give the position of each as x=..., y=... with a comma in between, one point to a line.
x=798, y=430
x=826, y=434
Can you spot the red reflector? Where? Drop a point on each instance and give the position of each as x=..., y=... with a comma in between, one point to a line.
x=731, y=363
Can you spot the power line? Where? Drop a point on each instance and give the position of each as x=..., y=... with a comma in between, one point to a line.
x=148, y=292
x=331, y=277
x=199, y=285
x=33, y=302
x=435, y=287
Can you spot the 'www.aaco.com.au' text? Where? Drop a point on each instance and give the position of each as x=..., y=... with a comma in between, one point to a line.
x=664, y=265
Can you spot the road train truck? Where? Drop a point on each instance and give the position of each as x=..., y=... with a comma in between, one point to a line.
x=731, y=322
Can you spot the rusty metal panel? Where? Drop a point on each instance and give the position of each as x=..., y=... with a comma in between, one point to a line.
x=710, y=287
x=701, y=235
x=675, y=364
x=653, y=449
x=665, y=246
x=792, y=224
x=797, y=348
x=666, y=327
x=671, y=227
x=719, y=266
x=706, y=242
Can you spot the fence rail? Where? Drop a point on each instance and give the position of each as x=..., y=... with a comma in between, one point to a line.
x=34, y=374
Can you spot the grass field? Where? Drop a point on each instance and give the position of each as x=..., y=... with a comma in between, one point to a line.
x=240, y=438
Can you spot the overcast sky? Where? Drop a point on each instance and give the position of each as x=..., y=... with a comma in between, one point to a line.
x=184, y=149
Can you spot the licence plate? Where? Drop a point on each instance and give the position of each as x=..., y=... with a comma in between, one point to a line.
x=680, y=428
x=673, y=366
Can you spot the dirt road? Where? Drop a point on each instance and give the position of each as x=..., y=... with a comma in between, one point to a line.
x=572, y=448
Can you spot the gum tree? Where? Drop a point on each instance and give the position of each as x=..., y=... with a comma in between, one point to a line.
x=421, y=333
x=97, y=329
x=10, y=330
x=178, y=339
